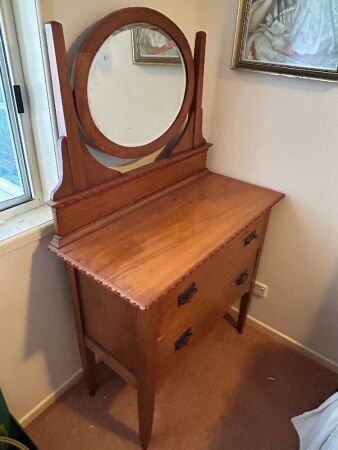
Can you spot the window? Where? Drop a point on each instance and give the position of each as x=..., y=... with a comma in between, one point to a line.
x=14, y=182
x=19, y=181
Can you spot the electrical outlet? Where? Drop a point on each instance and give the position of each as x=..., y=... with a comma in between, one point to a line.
x=260, y=290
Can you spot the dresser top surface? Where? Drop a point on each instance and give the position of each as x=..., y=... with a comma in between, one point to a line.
x=143, y=254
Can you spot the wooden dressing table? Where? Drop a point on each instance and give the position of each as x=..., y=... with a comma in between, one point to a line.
x=154, y=255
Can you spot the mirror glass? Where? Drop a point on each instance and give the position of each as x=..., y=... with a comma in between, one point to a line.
x=136, y=85
x=124, y=165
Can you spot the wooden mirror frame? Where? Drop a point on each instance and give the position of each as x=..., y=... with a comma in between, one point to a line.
x=89, y=194
x=89, y=48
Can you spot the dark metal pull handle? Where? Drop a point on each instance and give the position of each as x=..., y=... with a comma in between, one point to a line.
x=184, y=339
x=243, y=278
x=250, y=237
x=186, y=296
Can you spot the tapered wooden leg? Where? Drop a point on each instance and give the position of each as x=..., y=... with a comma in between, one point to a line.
x=89, y=367
x=146, y=404
x=243, y=311
x=87, y=356
x=147, y=329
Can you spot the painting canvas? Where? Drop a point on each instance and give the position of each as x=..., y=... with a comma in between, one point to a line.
x=153, y=47
x=293, y=37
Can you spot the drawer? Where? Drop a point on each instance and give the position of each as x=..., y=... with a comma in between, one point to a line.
x=215, y=299
x=205, y=288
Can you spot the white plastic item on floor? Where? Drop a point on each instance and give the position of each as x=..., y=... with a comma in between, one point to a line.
x=318, y=429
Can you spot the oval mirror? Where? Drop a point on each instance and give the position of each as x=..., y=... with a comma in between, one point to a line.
x=136, y=85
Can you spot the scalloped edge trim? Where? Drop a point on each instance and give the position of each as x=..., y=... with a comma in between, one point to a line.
x=154, y=300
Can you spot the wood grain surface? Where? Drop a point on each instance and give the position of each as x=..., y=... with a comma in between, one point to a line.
x=86, y=207
x=213, y=279
x=145, y=253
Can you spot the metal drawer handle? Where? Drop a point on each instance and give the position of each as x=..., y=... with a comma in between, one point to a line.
x=243, y=278
x=250, y=237
x=186, y=296
x=184, y=339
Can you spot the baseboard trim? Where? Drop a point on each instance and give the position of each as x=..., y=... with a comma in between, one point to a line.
x=295, y=345
x=50, y=399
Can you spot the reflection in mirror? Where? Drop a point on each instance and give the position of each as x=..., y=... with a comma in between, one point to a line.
x=124, y=165
x=136, y=85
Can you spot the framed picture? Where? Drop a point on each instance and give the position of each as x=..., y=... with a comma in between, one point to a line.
x=288, y=37
x=151, y=46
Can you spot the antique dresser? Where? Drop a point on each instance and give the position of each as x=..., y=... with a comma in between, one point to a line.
x=156, y=246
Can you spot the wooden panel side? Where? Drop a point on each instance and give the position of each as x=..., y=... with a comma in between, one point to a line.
x=109, y=321
x=110, y=361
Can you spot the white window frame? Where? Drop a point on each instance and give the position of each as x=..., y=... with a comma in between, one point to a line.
x=24, y=120
x=8, y=105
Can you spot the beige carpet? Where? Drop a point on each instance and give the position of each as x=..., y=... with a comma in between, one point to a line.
x=232, y=393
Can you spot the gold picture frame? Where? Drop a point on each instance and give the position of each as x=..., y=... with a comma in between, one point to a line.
x=270, y=39
x=145, y=53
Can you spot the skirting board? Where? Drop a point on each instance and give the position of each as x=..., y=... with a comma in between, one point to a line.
x=311, y=354
x=50, y=399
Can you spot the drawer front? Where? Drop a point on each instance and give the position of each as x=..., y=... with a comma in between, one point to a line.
x=216, y=298
x=212, y=286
